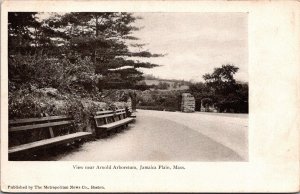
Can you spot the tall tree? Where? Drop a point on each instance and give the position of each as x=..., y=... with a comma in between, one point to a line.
x=222, y=80
x=20, y=37
x=102, y=36
x=228, y=94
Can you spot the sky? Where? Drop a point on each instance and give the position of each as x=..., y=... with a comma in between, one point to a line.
x=194, y=43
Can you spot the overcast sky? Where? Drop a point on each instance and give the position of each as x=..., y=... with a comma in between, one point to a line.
x=195, y=43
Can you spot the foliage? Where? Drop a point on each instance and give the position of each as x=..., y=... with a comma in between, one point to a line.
x=102, y=36
x=158, y=99
x=19, y=35
x=206, y=102
x=37, y=72
x=221, y=80
x=33, y=71
x=48, y=101
x=163, y=85
x=223, y=91
x=142, y=86
x=201, y=90
x=54, y=45
x=56, y=66
x=26, y=104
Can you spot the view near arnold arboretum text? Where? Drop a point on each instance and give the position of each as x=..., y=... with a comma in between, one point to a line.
x=119, y=86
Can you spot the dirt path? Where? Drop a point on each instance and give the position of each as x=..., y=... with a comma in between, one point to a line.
x=167, y=136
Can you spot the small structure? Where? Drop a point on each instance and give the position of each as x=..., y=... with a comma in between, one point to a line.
x=187, y=103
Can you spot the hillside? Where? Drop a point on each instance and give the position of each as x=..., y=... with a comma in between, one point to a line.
x=166, y=84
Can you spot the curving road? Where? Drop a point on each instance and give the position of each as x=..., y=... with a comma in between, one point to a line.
x=171, y=136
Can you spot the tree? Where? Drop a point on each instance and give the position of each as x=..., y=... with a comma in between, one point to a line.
x=102, y=36
x=206, y=102
x=19, y=35
x=163, y=85
x=29, y=36
x=221, y=80
x=229, y=95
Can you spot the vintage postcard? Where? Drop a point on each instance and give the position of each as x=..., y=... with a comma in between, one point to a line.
x=150, y=96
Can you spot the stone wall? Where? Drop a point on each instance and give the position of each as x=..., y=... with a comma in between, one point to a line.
x=187, y=103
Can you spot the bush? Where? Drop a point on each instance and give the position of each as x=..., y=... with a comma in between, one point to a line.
x=25, y=104
x=158, y=100
x=35, y=70
x=39, y=72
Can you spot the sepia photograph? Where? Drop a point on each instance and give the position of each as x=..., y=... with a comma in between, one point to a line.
x=150, y=96
x=128, y=86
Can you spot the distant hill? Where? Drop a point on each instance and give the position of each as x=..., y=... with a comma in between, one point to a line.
x=165, y=84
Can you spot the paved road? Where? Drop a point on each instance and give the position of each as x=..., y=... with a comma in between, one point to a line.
x=171, y=136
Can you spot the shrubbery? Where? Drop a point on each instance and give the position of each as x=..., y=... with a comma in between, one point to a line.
x=25, y=104
x=40, y=85
x=222, y=90
x=158, y=100
x=39, y=72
